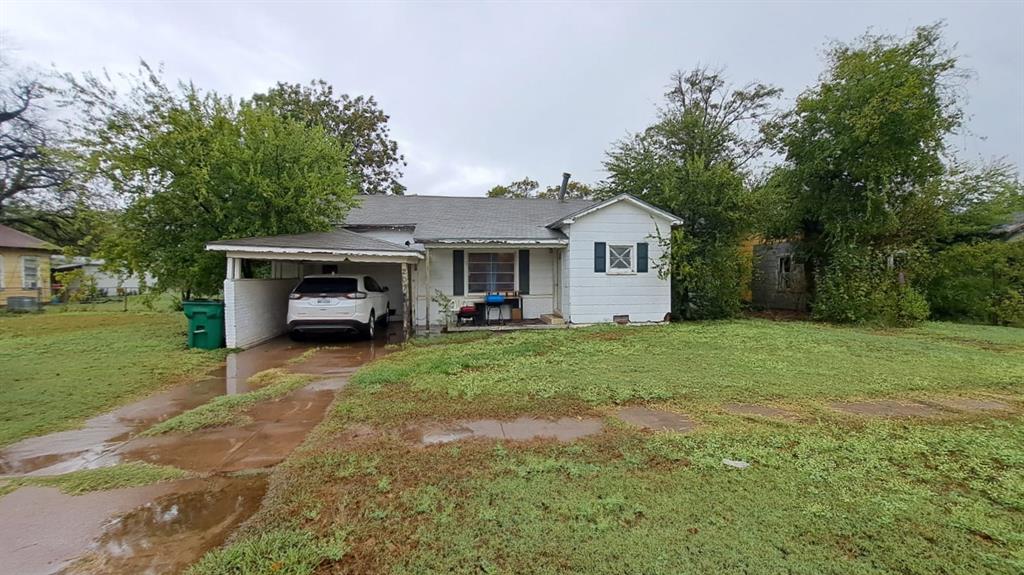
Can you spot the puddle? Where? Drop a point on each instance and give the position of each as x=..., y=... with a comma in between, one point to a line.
x=172, y=532
x=972, y=405
x=521, y=429
x=101, y=440
x=887, y=408
x=655, y=419
x=41, y=529
x=758, y=410
x=279, y=427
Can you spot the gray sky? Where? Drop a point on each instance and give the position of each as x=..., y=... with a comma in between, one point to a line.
x=484, y=94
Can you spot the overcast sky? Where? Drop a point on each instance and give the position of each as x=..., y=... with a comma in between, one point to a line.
x=484, y=94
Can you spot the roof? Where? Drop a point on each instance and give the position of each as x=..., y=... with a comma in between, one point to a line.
x=571, y=218
x=1012, y=228
x=338, y=240
x=12, y=238
x=466, y=218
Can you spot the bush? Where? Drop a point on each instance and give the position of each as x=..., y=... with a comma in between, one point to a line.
x=860, y=286
x=981, y=282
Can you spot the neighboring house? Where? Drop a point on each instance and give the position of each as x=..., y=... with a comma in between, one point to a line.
x=1013, y=231
x=107, y=283
x=778, y=280
x=24, y=266
x=579, y=261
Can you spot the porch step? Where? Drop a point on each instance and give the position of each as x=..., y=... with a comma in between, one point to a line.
x=552, y=318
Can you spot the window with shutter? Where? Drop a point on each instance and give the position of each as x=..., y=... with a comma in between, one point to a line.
x=458, y=272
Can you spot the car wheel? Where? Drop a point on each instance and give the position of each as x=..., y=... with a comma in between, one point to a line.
x=371, y=326
x=296, y=336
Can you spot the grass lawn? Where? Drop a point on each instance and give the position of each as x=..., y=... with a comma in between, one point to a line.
x=61, y=368
x=826, y=493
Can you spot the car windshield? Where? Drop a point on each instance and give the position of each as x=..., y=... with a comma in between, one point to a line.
x=327, y=285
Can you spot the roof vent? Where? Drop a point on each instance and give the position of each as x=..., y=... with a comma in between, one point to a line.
x=565, y=183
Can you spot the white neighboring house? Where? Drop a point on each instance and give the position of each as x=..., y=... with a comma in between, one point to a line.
x=107, y=283
x=575, y=261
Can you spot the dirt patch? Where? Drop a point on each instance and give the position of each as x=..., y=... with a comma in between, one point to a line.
x=521, y=429
x=972, y=405
x=170, y=533
x=656, y=419
x=758, y=410
x=887, y=408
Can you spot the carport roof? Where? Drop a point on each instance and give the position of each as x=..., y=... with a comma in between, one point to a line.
x=334, y=241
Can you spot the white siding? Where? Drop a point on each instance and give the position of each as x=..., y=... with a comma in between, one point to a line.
x=596, y=297
x=541, y=299
x=255, y=310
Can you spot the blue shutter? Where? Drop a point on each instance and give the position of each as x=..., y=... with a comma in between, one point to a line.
x=641, y=258
x=599, y=255
x=524, y=272
x=458, y=272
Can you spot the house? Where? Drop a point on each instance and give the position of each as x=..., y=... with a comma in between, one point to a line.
x=1012, y=231
x=24, y=266
x=108, y=283
x=778, y=281
x=577, y=261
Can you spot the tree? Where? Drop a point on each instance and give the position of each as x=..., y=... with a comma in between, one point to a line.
x=33, y=174
x=864, y=157
x=194, y=167
x=356, y=122
x=573, y=190
x=527, y=188
x=524, y=188
x=694, y=162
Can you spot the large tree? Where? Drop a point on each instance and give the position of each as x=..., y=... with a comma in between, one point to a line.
x=695, y=162
x=357, y=122
x=193, y=167
x=34, y=176
x=866, y=166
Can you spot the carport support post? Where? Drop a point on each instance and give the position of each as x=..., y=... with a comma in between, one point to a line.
x=407, y=308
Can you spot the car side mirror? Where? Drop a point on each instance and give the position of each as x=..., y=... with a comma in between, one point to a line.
x=386, y=288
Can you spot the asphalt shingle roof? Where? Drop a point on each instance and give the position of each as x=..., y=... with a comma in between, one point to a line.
x=335, y=240
x=462, y=218
x=12, y=238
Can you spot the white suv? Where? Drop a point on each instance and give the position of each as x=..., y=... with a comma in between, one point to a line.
x=336, y=303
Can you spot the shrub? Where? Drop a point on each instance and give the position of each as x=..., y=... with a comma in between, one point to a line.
x=862, y=286
x=982, y=282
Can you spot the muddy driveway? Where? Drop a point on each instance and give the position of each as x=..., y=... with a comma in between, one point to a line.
x=163, y=528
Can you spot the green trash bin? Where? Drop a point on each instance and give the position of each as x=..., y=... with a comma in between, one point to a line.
x=205, y=323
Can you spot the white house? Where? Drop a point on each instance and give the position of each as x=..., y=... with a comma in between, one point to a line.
x=108, y=283
x=578, y=260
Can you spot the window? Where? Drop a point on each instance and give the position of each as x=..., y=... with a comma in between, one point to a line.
x=29, y=272
x=620, y=259
x=492, y=272
x=785, y=281
x=327, y=285
x=371, y=284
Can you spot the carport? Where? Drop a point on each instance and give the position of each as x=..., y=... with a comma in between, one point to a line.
x=262, y=271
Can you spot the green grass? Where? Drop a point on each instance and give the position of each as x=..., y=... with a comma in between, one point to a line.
x=133, y=474
x=722, y=361
x=61, y=368
x=285, y=552
x=829, y=493
x=230, y=409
